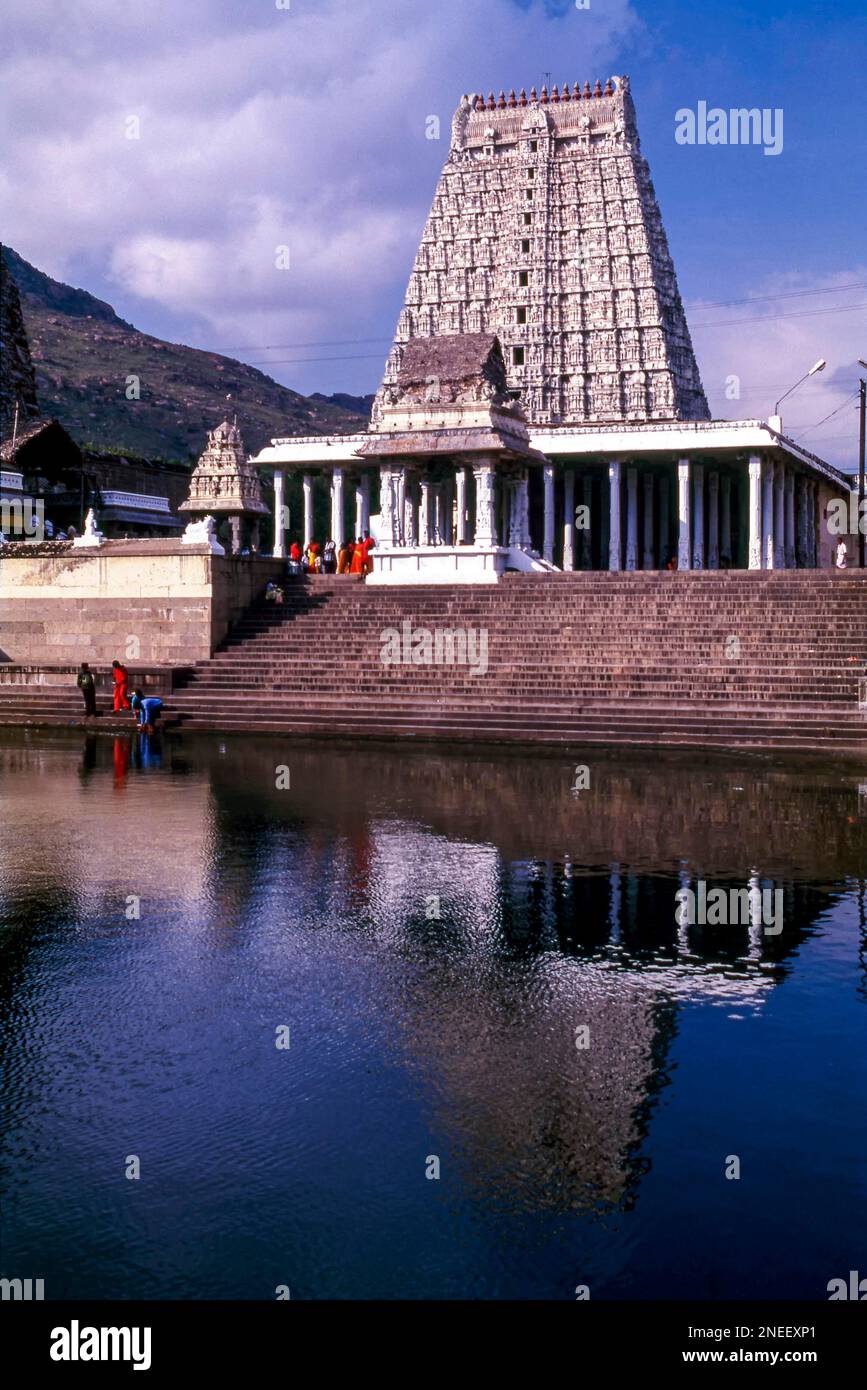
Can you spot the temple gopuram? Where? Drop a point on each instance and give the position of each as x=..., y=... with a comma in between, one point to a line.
x=545, y=304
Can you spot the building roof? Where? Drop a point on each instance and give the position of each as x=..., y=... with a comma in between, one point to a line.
x=30, y=432
x=451, y=357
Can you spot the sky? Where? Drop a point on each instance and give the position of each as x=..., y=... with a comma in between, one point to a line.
x=253, y=176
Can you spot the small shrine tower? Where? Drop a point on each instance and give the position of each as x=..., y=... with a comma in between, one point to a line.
x=225, y=485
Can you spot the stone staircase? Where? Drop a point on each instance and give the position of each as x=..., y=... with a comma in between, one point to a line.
x=718, y=659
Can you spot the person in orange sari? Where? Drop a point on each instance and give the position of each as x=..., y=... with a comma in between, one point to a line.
x=357, y=565
x=121, y=686
x=344, y=557
x=367, y=545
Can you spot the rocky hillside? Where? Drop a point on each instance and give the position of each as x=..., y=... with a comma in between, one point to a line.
x=84, y=356
x=17, y=377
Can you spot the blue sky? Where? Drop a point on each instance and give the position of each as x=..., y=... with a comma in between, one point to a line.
x=261, y=125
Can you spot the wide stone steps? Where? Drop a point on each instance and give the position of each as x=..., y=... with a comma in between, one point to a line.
x=572, y=660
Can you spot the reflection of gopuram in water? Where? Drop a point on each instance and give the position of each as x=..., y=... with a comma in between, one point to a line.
x=499, y=914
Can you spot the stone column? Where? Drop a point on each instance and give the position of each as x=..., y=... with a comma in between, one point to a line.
x=812, y=538
x=767, y=515
x=386, y=507
x=779, y=518
x=400, y=503
x=308, y=507
x=698, y=518
x=614, y=529
x=713, y=520
x=632, y=518
x=548, y=541
x=461, y=497
x=483, y=473
x=520, y=510
x=235, y=533
x=337, y=506
x=410, y=527
x=448, y=513
x=437, y=512
x=648, y=559
x=587, y=533
x=789, y=489
x=424, y=512
x=683, y=515
x=802, y=549
x=279, y=504
x=568, y=519
x=362, y=505
x=663, y=521
x=725, y=523
x=754, y=559
x=505, y=517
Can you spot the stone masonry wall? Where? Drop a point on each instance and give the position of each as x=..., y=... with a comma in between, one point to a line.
x=155, y=603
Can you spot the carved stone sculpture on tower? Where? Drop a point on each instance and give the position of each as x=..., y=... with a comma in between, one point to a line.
x=545, y=231
x=224, y=484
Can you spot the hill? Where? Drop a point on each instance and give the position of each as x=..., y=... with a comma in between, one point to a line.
x=84, y=355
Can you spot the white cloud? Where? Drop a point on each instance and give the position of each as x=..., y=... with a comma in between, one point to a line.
x=769, y=344
x=258, y=127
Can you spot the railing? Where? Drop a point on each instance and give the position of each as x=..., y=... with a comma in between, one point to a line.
x=138, y=501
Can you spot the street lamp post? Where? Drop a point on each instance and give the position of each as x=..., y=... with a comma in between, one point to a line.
x=862, y=394
x=816, y=367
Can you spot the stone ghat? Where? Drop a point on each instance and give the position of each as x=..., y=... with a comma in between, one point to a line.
x=716, y=660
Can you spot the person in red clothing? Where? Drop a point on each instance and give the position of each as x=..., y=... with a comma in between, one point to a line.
x=367, y=545
x=295, y=558
x=121, y=686
x=357, y=565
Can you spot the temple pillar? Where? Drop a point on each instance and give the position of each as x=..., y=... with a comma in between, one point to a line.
x=410, y=513
x=483, y=473
x=614, y=528
x=235, y=533
x=801, y=547
x=632, y=518
x=698, y=518
x=663, y=521
x=520, y=512
x=337, y=531
x=437, y=512
x=648, y=559
x=461, y=498
x=767, y=514
x=779, y=518
x=725, y=520
x=424, y=512
x=587, y=534
x=754, y=560
x=362, y=506
x=400, y=503
x=386, y=507
x=505, y=518
x=548, y=539
x=568, y=519
x=789, y=494
x=683, y=515
x=279, y=506
x=713, y=520
x=307, y=485
x=448, y=513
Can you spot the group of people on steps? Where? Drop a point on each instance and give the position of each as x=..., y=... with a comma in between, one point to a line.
x=352, y=557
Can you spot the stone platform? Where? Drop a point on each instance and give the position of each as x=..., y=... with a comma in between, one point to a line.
x=767, y=660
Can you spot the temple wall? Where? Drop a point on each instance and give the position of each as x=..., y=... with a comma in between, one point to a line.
x=153, y=602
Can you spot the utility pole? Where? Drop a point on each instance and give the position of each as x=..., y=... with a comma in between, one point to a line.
x=862, y=392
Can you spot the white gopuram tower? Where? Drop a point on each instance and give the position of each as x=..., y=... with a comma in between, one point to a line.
x=545, y=231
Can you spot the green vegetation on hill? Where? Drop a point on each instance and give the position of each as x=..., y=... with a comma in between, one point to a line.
x=85, y=356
